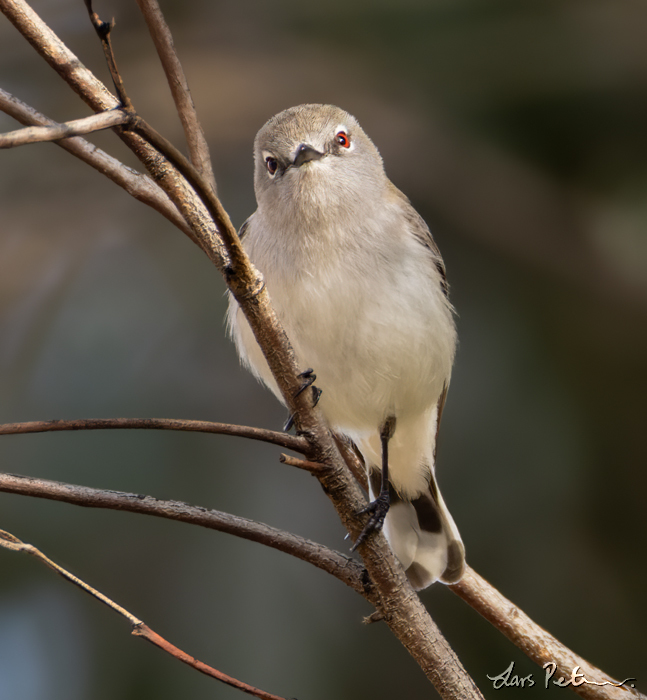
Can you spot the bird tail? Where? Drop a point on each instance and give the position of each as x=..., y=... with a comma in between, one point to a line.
x=423, y=536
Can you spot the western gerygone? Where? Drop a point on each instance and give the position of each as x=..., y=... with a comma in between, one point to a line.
x=359, y=285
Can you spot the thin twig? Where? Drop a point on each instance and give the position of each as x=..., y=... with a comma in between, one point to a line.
x=55, y=132
x=138, y=185
x=103, y=30
x=290, y=442
x=48, y=45
x=140, y=629
x=339, y=565
x=312, y=467
x=179, y=86
x=148, y=634
x=536, y=642
x=12, y=543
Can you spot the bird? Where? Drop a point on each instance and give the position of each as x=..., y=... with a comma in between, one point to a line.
x=360, y=287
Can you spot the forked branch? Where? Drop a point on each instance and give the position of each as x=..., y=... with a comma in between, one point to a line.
x=94, y=93
x=138, y=185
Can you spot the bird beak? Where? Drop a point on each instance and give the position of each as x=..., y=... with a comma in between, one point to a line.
x=305, y=154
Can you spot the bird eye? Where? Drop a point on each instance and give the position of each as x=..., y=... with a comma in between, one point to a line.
x=272, y=165
x=343, y=139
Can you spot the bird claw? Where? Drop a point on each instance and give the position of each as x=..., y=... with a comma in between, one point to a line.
x=309, y=378
x=377, y=510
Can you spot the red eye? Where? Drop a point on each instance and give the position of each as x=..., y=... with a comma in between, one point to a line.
x=343, y=139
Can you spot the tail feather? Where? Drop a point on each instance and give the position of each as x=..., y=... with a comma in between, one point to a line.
x=423, y=536
x=440, y=554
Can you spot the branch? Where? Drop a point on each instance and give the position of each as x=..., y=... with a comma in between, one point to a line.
x=140, y=629
x=55, y=132
x=312, y=467
x=290, y=442
x=139, y=186
x=353, y=459
x=339, y=565
x=179, y=86
x=535, y=641
x=103, y=30
x=94, y=93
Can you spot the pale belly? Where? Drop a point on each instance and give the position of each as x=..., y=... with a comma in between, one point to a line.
x=378, y=352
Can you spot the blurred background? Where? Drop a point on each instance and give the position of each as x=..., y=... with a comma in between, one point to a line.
x=518, y=131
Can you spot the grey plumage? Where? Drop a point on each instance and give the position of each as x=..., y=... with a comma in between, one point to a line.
x=359, y=284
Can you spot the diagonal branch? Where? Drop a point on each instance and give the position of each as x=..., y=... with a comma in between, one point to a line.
x=138, y=185
x=179, y=86
x=48, y=45
x=344, y=568
x=55, y=132
x=536, y=642
x=290, y=442
x=140, y=629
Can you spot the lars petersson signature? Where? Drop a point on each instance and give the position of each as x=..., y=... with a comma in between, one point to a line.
x=508, y=679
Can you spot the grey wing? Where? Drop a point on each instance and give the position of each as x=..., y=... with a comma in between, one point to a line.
x=422, y=233
x=441, y=406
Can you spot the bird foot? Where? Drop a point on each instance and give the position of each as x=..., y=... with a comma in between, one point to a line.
x=377, y=510
x=309, y=378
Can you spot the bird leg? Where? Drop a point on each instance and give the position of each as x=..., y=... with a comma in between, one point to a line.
x=380, y=506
